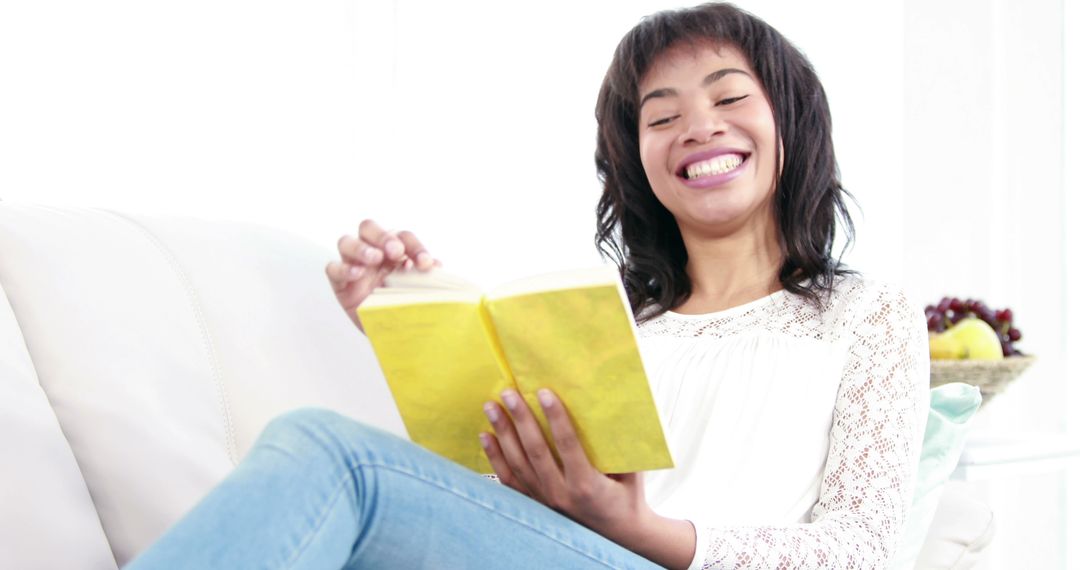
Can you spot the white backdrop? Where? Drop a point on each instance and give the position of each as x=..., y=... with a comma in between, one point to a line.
x=471, y=122
x=987, y=215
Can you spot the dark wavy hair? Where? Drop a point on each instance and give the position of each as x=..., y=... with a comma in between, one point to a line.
x=635, y=230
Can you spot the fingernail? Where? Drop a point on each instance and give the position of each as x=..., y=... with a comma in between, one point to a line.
x=354, y=271
x=484, y=441
x=371, y=254
x=491, y=410
x=510, y=399
x=394, y=249
x=424, y=259
x=547, y=399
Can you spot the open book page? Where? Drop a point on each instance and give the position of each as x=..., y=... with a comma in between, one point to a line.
x=567, y=279
x=438, y=360
x=414, y=286
x=580, y=342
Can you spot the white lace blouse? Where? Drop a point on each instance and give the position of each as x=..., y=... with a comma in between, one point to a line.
x=795, y=432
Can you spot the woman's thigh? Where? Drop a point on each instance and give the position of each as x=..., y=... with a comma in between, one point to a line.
x=324, y=491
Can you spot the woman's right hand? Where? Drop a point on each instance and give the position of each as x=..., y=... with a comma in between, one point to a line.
x=366, y=260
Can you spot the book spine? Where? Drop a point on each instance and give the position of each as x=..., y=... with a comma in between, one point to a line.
x=493, y=342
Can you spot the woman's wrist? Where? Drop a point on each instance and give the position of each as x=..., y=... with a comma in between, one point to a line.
x=668, y=542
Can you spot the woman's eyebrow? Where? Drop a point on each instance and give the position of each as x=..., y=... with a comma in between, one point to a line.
x=710, y=78
x=716, y=75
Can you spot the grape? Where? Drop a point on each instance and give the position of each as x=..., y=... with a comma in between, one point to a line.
x=1008, y=350
x=1014, y=334
x=935, y=322
x=957, y=306
x=1004, y=315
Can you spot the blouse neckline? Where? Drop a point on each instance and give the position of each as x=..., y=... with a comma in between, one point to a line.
x=737, y=309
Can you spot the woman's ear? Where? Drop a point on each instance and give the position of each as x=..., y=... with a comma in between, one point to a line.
x=779, y=153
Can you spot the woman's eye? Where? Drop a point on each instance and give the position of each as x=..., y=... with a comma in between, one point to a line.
x=664, y=121
x=730, y=100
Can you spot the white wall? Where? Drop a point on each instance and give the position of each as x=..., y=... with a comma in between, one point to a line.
x=984, y=201
x=468, y=121
x=491, y=129
x=236, y=109
x=986, y=215
x=1071, y=78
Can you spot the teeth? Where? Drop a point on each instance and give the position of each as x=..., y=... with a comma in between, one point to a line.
x=714, y=166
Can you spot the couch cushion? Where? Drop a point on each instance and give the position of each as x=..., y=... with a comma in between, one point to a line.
x=961, y=532
x=952, y=407
x=165, y=345
x=47, y=519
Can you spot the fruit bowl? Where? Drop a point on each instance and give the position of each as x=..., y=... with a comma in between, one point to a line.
x=974, y=344
x=990, y=376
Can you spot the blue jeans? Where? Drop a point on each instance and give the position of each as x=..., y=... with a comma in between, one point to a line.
x=319, y=490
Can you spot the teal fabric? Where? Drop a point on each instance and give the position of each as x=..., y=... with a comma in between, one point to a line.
x=951, y=408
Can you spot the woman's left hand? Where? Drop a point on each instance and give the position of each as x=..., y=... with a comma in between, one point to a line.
x=612, y=505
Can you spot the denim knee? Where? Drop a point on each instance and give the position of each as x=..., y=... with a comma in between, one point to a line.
x=308, y=433
x=318, y=434
x=304, y=420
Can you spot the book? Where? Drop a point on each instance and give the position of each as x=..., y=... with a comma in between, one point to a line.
x=445, y=347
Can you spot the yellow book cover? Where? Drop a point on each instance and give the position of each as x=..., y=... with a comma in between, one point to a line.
x=446, y=347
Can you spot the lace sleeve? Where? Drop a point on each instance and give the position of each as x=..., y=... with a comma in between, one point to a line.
x=876, y=438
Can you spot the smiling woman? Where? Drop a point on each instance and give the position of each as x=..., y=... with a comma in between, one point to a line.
x=793, y=391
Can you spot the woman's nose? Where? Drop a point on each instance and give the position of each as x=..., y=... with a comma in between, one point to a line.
x=702, y=126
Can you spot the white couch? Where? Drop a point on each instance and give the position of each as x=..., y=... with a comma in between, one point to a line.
x=139, y=358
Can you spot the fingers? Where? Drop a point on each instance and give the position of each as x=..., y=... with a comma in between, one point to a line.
x=359, y=263
x=533, y=442
x=353, y=277
x=367, y=258
x=500, y=466
x=414, y=250
x=353, y=250
x=508, y=453
x=401, y=247
x=387, y=242
x=576, y=464
x=341, y=274
x=525, y=450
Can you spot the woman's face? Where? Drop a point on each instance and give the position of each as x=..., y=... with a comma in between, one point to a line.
x=708, y=140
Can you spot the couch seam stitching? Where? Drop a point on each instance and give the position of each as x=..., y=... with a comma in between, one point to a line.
x=204, y=331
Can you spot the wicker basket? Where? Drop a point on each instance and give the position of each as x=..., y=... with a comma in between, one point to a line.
x=990, y=376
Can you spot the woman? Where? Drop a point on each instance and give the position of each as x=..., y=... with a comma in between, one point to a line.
x=794, y=392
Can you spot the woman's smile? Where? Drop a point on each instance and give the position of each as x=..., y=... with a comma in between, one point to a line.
x=712, y=168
